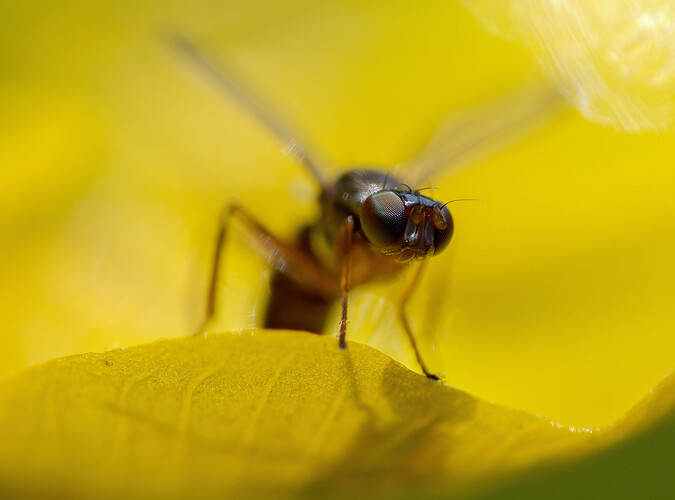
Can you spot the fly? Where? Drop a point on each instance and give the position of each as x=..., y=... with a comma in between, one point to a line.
x=370, y=225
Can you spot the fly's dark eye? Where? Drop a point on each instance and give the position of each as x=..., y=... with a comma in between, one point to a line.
x=383, y=218
x=443, y=236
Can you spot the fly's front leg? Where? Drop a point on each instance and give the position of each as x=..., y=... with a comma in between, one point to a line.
x=284, y=256
x=346, y=238
x=406, y=324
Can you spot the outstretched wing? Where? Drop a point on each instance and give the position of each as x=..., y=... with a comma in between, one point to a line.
x=465, y=137
x=225, y=80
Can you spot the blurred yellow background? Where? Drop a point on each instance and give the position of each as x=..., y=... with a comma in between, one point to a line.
x=554, y=297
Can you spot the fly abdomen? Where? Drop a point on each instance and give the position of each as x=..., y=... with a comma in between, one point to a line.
x=292, y=307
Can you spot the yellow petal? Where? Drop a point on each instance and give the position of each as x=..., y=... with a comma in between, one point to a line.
x=257, y=414
x=614, y=59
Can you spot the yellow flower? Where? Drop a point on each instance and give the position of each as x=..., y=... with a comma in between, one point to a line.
x=554, y=296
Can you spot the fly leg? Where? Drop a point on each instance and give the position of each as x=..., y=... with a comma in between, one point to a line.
x=346, y=233
x=406, y=324
x=215, y=268
x=282, y=255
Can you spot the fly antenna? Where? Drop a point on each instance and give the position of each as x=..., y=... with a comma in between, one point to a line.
x=224, y=78
x=461, y=199
x=425, y=188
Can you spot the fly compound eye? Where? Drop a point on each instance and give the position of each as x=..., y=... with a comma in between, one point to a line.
x=443, y=229
x=383, y=218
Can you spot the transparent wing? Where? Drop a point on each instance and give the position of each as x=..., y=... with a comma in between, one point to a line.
x=225, y=80
x=466, y=137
